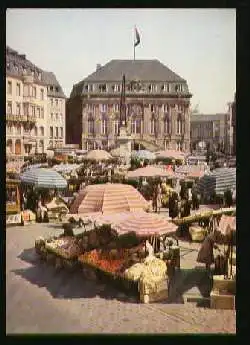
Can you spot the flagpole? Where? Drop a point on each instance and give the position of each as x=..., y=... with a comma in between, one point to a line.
x=134, y=43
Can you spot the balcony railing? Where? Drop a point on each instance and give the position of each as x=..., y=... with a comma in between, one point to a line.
x=20, y=118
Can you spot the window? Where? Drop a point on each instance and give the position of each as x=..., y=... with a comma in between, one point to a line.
x=61, y=132
x=60, y=104
x=165, y=87
x=61, y=117
x=178, y=146
x=103, y=108
x=178, y=88
x=56, y=117
x=91, y=127
x=9, y=89
x=136, y=126
x=33, y=110
x=35, y=131
x=166, y=124
x=89, y=88
x=153, y=108
x=179, y=125
x=56, y=102
x=104, y=126
x=51, y=116
x=9, y=108
x=42, y=113
x=18, y=130
x=34, y=91
x=42, y=94
x=26, y=90
x=18, y=89
x=51, y=132
x=152, y=88
x=56, y=132
x=116, y=127
x=51, y=102
x=51, y=88
x=57, y=89
x=9, y=129
x=152, y=126
x=18, y=109
x=116, y=107
x=165, y=108
x=39, y=75
x=102, y=88
x=116, y=88
x=41, y=131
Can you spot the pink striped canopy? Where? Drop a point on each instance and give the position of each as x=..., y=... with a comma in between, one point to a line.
x=145, y=225
x=227, y=224
x=149, y=171
x=109, y=198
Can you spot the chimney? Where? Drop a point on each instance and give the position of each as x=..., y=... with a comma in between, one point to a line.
x=98, y=66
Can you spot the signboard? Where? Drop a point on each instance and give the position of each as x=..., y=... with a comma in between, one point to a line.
x=13, y=219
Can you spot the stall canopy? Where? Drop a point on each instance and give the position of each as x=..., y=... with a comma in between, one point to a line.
x=144, y=154
x=98, y=155
x=145, y=225
x=149, y=171
x=44, y=178
x=108, y=198
x=170, y=154
x=218, y=181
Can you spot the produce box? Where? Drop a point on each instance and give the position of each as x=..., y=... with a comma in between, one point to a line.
x=155, y=296
x=222, y=301
x=224, y=285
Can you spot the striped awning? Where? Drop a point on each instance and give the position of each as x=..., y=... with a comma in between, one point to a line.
x=44, y=178
x=170, y=154
x=145, y=225
x=150, y=171
x=109, y=198
x=218, y=181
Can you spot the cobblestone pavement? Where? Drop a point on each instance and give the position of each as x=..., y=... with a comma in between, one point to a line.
x=41, y=300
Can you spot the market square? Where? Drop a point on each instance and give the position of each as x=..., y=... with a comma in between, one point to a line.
x=120, y=192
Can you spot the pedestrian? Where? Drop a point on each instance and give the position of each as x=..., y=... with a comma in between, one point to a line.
x=158, y=198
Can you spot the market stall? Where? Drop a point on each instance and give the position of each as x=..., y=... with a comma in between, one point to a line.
x=113, y=252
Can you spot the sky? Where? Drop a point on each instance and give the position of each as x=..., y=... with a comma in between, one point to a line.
x=197, y=44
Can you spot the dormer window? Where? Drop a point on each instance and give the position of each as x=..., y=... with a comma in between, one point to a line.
x=57, y=89
x=88, y=88
x=102, y=88
x=51, y=88
x=178, y=88
x=152, y=88
x=39, y=76
x=165, y=87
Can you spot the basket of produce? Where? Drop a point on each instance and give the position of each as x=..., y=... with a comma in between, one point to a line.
x=197, y=233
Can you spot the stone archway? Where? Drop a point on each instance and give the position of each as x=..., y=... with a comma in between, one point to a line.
x=18, y=147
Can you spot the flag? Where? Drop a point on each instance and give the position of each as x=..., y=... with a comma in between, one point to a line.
x=137, y=38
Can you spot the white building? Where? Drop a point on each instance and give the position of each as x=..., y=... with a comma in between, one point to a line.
x=56, y=111
x=29, y=95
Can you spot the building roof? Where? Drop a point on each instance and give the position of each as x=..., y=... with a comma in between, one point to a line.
x=49, y=79
x=207, y=117
x=14, y=59
x=144, y=70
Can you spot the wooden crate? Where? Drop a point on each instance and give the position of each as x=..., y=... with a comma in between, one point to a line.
x=224, y=285
x=158, y=296
x=222, y=301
